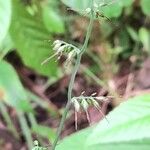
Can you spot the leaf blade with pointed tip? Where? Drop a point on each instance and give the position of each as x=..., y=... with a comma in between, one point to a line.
x=5, y=18
x=31, y=38
x=13, y=92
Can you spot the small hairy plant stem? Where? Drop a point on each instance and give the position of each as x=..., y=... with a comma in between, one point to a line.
x=75, y=70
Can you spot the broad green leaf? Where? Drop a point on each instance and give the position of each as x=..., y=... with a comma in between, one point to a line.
x=75, y=141
x=125, y=3
x=144, y=36
x=5, y=17
x=128, y=129
x=82, y=5
x=6, y=46
x=78, y=5
x=113, y=9
x=145, y=4
x=52, y=20
x=44, y=131
x=13, y=92
x=31, y=39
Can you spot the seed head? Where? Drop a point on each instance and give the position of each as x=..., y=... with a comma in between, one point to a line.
x=88, y=10
x=60, y=48
x=84, y=104
x=57, y=42
x=36, y=143
x=76, y=105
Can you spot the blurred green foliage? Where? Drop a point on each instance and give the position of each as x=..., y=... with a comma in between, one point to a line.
x=13, y=92
x=26, y=26
x=31, y=36
x=32, y=24
x=5, y=8
x=145, y=7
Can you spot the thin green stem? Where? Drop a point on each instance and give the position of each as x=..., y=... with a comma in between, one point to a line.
x=25, y=129
x=75, y=70
x=32, y=119
x=8, y=120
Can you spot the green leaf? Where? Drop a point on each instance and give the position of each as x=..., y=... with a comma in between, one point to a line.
x=128, y=129
x=13, y=92
x=6, y=46
x=145, y=4
x=44, y=131
x=125, y=3
x=52, y=20
x=31, y=39
x=144, y=36
x=5, y=17
x=115, y=9
x=133, y=34
x=111, y=10
x=75, y=141
x=77, y=4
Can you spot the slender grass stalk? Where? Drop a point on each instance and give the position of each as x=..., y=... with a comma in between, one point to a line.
x=34, y=123
x=32, y=120
x=40, y=102
x=75, y=70
x=25, y=129
x=8, y=120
